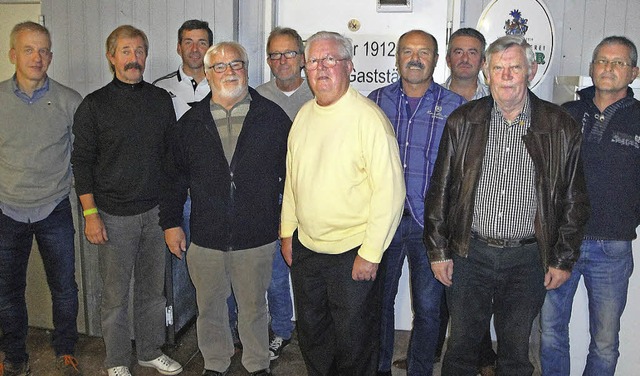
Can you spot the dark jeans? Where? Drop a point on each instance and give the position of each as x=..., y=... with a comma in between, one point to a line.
x=487, y=356
x=338, y=318
x=505, y=282
x=54, y=236
x=426, y=294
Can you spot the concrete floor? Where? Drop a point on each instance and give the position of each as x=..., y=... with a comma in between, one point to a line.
x=90, y=354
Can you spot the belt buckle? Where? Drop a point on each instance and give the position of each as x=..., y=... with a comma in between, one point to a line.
x=497, y=243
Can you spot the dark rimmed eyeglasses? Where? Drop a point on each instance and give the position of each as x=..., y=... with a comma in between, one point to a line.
x=279, y=55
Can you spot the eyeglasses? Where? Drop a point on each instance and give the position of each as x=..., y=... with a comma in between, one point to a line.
x=327, y=62
x=279, y=55
x=222, y=67
x=614, y=63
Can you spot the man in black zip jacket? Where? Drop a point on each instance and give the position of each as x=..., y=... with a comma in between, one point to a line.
x=229, y=152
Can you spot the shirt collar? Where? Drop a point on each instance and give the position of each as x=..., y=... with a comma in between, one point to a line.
x=245, y=100
x=523, y=118
x=482, y=90
x=37, y=94
x=429, y=89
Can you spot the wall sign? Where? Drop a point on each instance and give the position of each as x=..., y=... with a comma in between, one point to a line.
x=529, y=18
x=374, y=61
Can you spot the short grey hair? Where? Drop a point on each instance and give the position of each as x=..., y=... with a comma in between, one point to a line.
x=289, y=32
x=345, y=47
x=506, y=42
x=624, y=41
x=223, y=46
x=27, y=26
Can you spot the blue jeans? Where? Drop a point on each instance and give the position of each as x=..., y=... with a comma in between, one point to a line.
x=606, y=267
x=54, y=236
x=186, y=219
x=505, y=282
x=426, y=294
x=279, y=297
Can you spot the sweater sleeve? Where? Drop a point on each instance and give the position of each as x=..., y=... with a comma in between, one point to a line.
x=174, y=182
x=386, y=180
x=84, y=155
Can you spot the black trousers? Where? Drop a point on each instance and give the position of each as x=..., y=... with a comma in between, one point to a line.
x=338, y=319
x=508, y=283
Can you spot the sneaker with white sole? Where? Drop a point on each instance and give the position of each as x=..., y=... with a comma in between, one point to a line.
x=119, y=371
x=163, y=364
x=276, y=346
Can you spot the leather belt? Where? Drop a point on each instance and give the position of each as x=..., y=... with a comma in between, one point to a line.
x=503, y=243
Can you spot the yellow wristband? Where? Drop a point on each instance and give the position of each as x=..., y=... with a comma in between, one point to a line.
x=90, y=211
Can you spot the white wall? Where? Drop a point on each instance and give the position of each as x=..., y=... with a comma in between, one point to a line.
x=10, y=14
x=80, y=28
x=375, y=41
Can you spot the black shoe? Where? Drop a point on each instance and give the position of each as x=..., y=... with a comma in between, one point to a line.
x=208, y=372
x=276, y=346
x=262, y=372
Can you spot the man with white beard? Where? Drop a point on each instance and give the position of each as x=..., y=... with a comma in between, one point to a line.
x=229, y=154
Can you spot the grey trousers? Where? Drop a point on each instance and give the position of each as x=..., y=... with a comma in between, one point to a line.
x=135, y=249
x=214, y=273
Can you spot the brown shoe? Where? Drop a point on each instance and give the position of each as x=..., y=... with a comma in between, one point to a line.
x=68, y=365
x=487, y=370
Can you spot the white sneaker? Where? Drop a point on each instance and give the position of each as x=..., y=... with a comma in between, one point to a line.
x=119, y=371
x=163, y=364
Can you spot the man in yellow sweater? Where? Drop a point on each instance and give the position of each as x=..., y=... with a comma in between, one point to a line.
x=343, y=199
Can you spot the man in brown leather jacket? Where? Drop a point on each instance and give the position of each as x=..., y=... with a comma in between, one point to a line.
x=506, y=207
